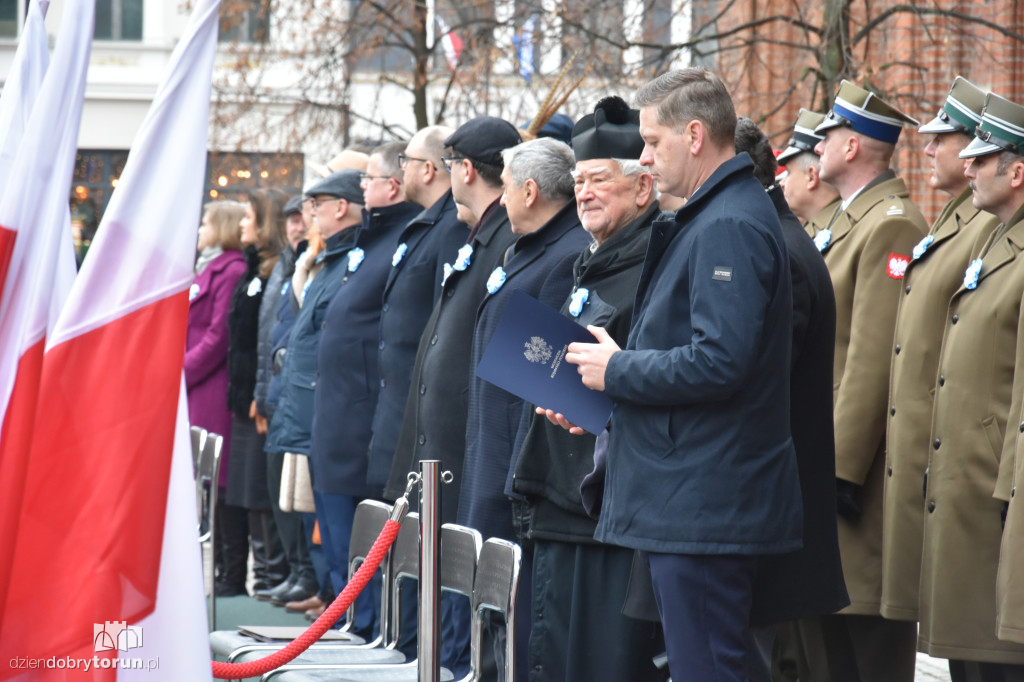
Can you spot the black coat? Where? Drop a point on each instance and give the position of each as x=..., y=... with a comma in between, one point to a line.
x=434, y=424
x=243, y=334
x=277, y=287
x=292, y=425
x=552, y=462
x=411, y=290
x=349, y=377
x=540, y=265
x=810, y=580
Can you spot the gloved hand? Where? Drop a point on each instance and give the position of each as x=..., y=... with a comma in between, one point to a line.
x=848, y=500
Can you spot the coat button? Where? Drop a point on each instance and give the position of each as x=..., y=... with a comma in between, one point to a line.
x=1013, y=490
x=381, y=345
x=898, y=349
x=384, y=308
x=433, y=340
x=889, y=471
x=942, y=380
x=931, y=506
x=312, y=384
x=956, y=318
x=450, y=292
x=892, y=410
x=1022, y=427
x=323, y=325
x=383, y=383
x=422, y=439
x=423, y=389
x=937, y=443
x=907, y=289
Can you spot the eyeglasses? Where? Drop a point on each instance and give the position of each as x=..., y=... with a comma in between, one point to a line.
x=315, y=202
x=450, y=161
x=365, y=178
x=403, y=160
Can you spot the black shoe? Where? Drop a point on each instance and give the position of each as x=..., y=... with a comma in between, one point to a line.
x=296, y=592
x=266, y=593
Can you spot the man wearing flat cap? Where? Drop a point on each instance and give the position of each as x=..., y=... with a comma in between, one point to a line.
x=337, y=202
x=867, y=245
x=813, y=200
x=434, y=424
x=933, y=275
x=579, y=585
x=974, y=425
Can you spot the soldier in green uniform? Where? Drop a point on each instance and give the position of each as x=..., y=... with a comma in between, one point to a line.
x=812, y=200
x=973, y=392
x=935, y=272
x=866, y=245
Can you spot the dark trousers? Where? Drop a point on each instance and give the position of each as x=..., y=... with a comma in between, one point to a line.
x=317, y=558
x=852, y=648
x=335, y=514
x=289, y=529
x=704, y=602
x=579, y=633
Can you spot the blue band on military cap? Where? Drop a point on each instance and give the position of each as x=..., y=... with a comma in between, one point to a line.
x=875, y=129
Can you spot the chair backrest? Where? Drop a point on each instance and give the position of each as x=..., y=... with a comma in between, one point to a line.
x=495, y=589
x=367, y=523
x=198, y=434
x=207, y=475
x=405, y=565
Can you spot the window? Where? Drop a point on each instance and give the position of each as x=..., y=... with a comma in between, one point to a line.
x=12, y=16
x=118, y=20
x=230, y=175
x=244, y=21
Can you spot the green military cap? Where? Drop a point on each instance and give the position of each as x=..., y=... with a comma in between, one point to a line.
x=961, y=112
x=804, y=138
x=866, y=113
x=1001, y=129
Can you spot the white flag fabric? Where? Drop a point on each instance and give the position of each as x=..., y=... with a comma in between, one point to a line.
x=110, y=454
x=34, y=215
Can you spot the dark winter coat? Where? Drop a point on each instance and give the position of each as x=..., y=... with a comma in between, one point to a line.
x=700, y=457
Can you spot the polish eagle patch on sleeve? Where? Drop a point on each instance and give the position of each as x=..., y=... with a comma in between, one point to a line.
x=896, y=265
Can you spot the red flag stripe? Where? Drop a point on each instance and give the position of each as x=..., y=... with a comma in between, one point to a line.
x=91, y=552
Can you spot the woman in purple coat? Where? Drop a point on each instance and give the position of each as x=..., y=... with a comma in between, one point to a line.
x=218, y=268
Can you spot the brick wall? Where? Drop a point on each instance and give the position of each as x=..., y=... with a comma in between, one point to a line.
x=909, y=58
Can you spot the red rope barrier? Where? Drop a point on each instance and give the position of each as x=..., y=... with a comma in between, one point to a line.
x=235, y=671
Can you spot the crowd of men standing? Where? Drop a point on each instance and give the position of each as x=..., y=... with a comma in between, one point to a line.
x=731, y=514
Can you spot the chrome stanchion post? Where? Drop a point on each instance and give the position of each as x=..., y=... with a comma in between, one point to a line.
x=429, y=645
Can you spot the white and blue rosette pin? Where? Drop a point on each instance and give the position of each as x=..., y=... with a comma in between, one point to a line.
x=447, y=273
x=255, y=286
x=193, y=291
x=972, y=273
x=822, y=238
x=576, y=301
x=284, y=287
x=399, y=254
x=465, y=255
x=355, y=258
x=922, y=246
x=496, y=279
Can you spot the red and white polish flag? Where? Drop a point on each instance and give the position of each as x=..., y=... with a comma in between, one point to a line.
x=107, y=526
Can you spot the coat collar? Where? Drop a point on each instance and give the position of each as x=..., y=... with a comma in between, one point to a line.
x=223, y=260
x=530, y=247
x=884, y=187
x=1002, y=247
x=623, y=249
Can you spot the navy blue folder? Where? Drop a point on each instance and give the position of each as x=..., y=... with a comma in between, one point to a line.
x=526, y=357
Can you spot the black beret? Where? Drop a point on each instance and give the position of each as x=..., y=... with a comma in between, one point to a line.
x=611, y=132
x=344, y=184
x=483, y=139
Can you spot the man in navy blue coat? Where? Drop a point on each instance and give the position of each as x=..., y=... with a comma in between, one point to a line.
x=701, y=470
x=412, y=288
x=346, y=390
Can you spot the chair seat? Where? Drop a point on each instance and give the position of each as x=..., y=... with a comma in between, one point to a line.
x=406, y=673
x=224, y=642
